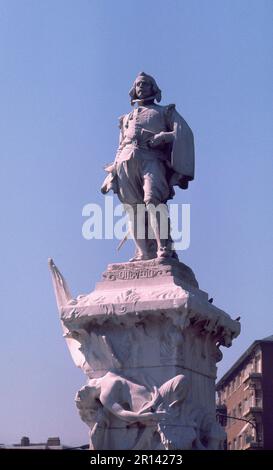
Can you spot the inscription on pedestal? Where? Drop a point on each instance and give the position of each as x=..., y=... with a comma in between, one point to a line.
x=127, y=274
x=149, y=269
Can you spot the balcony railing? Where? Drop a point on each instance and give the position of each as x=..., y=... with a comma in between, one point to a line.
x=252, y=376
x=253, y=405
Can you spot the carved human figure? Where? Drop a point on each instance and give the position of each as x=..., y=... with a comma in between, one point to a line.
x=155, y=153
x=210, y=435
x=178, y=430
x=153, y=417
x=113, y=401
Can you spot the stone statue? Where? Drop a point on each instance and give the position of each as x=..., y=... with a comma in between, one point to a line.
x=117, y=408
x=147, y=337
x=114, y=402
x=155, y=153
x=147, y=418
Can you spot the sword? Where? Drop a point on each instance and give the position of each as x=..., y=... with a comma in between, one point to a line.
x=121, y=243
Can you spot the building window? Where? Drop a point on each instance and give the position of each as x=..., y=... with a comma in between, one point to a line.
x=228, y=422
x=258, y=398
x=249, y=368
x=240, y=410
x=245, y=439
x=258, y=363
x=239, y=442
x=234, y=415
x=259, y=433
x=248, y=437
x=231, y=387
x=245, y=407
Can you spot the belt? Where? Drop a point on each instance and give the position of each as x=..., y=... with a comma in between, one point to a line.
x=136, y=144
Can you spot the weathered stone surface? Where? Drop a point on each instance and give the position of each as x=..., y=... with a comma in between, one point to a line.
x=148, y=340
x=151, y=269
x=155, y=153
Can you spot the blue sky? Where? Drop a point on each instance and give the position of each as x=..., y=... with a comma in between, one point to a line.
x=66, y=69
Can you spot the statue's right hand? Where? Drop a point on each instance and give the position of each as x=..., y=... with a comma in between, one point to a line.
x=110, y=167
x=156, y=140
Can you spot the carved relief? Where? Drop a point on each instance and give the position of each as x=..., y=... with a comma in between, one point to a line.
x=149, y=350
x=136, y=413
x=167, y=293
x=171, y=344
x=124, y=414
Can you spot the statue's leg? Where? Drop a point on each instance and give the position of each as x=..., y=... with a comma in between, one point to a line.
x=160, y=225
x=164, y=244
x=137, y=228
x=156, y=193
x=130, y=193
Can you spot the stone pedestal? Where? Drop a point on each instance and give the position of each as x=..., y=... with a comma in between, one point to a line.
x=148, y=340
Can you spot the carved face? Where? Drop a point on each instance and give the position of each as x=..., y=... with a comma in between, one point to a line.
x=144, y=88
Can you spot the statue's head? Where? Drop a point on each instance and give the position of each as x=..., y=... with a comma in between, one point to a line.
x=144, y=88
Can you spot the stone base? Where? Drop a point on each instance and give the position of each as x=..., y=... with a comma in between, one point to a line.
x=148, y=339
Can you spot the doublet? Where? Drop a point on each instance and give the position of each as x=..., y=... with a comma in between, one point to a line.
x=137, y=166
x=137, y=128
x=141, y=171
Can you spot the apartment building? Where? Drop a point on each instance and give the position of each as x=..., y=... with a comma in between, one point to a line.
x=245, y=393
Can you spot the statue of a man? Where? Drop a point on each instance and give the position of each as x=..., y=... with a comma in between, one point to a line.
x=155, y=153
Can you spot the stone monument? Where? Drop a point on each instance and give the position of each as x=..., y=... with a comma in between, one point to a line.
x=147, y=337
